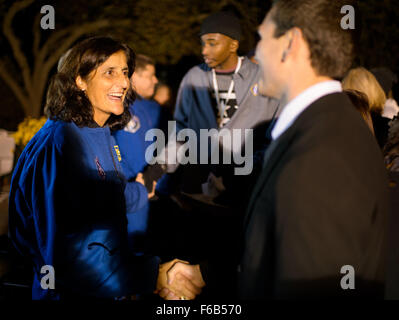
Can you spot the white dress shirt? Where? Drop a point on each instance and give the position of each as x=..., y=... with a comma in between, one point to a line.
x=299, y=104
x=391, y=109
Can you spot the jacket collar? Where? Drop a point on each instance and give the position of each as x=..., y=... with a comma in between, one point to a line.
x=244, y=72
x=278, y=147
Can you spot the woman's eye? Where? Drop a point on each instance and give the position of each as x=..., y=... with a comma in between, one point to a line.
x=109, y=72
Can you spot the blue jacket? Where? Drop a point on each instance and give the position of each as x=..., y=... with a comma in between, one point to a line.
x=146, y=115
x=67, y=208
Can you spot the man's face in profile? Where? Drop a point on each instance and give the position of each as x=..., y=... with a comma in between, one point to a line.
x=216, y=49
x=144, y=81
x=268, y=54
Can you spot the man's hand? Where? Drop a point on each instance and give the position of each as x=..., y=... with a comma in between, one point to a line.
x=140, y=179
x=179, y=280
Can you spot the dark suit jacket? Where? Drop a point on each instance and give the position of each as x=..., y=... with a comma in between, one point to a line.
x=321, y=202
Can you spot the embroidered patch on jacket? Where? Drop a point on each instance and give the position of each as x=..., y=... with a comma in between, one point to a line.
x=100, y=170
x=133, y=125
x=255, y=89
x=118, y=153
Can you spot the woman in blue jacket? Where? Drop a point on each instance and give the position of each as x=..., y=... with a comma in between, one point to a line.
x=69, y=197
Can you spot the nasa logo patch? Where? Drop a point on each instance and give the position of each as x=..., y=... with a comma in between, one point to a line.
x=255, y=89
x=133, y=125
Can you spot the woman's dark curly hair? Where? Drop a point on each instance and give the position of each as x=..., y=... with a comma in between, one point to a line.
x=65, y=101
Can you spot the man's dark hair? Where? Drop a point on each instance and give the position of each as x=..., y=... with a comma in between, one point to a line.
x=142, y=61
x=331, y=47
x=65, y=101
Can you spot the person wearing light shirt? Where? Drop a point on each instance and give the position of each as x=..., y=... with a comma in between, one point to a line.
x=316, y=223
x=315, y=226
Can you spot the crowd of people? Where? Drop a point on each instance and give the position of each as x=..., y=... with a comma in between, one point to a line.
x=321, y=194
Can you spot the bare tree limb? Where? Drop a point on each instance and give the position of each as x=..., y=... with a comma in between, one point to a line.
x=55, y=38
x=14, y=42
x=15, y=87
x=36, y=35
x=43, y=66
x=66, y=38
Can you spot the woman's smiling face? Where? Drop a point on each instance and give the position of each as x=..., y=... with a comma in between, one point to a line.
x=106, y=87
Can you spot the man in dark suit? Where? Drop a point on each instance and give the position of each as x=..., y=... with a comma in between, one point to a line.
x=316, y=223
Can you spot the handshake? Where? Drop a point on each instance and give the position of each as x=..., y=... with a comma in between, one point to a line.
x=179, y=280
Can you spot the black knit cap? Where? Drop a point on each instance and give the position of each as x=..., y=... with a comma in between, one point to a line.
x=222, y=22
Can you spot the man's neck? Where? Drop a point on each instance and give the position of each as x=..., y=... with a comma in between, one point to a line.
x=297, y=86
x=229, y=65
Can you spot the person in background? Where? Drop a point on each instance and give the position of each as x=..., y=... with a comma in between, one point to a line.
x=146, y=115
x=163, y=94
x=144, y=78
x=69, y=196
x=221, y=93
x=362, y=80
x=361, y=103
x=391, y=148
x=387, y=79
x=251, y=56
x=320, y=205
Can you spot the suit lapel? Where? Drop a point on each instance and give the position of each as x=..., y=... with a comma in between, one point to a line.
x=272, y=156
x=278, y=148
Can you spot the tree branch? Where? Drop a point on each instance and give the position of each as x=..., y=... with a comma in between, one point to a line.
x=36, y=35
x=18, y=91
x=56, y=37
x=14, y=42
x=43, y=66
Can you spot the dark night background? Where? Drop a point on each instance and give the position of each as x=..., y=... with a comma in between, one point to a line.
x=167, y=30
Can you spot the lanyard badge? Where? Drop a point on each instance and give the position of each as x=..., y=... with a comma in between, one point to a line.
x=222, y=105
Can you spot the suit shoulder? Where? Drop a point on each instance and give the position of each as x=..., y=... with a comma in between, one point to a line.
x=328, y=113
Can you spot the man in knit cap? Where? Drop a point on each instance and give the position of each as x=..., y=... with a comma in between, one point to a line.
x=220, y=93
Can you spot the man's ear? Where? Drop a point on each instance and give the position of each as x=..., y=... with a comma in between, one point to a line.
x=291, y=39
x=234, y=44
x=81, y=83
